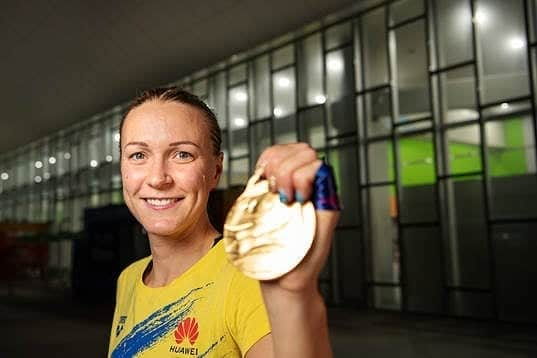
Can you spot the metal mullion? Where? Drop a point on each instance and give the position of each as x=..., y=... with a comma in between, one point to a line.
x=528, y=219
x=447, y=126
x=452, y=67
x=433, y=108
x=248, y=114
x=460, y=175
x=284, y=67
x=408, y=21
x=238, y=84
x=374, y=184
x=340, y=136
x=239, y=157
x=228, y=127
x=468, y=289
x=307, y=107
x=433, y=223
x=484, y=163
x=531, y=77
x=271, y=101
x=370, y=89
x=413, y=121
x=394, y=111
x=379, y=138
x=338, y=47
x=297, y=86
x=414, y=132
x=383, y=284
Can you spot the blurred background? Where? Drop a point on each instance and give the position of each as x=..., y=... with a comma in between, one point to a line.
x=426, y=109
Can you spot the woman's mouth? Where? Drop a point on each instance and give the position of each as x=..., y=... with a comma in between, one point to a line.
x=161, y=203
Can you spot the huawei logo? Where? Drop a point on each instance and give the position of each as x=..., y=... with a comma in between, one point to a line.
x=187, y=328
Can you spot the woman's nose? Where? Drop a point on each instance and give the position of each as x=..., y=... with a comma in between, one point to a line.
x=158, y=176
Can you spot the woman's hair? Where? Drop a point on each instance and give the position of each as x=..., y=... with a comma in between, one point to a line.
x=175, y=94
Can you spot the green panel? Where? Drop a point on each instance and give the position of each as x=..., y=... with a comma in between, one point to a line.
x=510, y=160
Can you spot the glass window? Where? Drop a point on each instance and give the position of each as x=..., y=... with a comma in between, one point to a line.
x=453, y=31
x=284, y=56
x=217, y=98
x=511, y=163
x=380, y=157
x=285, y=129
x=417, y=178
x=405, y=9
x=284, y=88
x=388, y=298
x=379, y=121
x=338, y=35
x=310, y=71
x=238, y=115
x=311, y=124
x=239, y=171
x=237, y=74
x=340, y=92
x=464, y=149
x=260, y=138
x=200, y=88
x=374, y=48
x=502, y=45
x=424, y=288
x=351, y=268
x=412, y=75
x=261, y=77
x=383, y=234
x=224, y=182
x=345, y=164
x=458, y=95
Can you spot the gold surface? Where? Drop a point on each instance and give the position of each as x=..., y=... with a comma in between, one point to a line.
x=264, y=238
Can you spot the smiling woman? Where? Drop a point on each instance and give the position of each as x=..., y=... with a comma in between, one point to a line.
x=186, y=296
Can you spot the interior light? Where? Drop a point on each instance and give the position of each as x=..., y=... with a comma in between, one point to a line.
x=241, y=96
x=39, y=164
x=109, y=158
x=67, y=155
x=516, y=43
x=38, y=179
x=94, y=163
x=239, y=122
x=504, y=105
x=52, y=160
x=278, y=112
x=46, y=176
x=4, y=176
x=284, y=82
x=320, y=99
x=117, y=136
x=334, y=64
x=480, y=17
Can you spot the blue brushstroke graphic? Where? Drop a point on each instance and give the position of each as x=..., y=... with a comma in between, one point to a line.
x=148, y=332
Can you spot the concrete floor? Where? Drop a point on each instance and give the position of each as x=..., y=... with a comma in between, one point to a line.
x=50, y=327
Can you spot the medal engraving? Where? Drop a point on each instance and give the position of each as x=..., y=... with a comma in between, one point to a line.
x=264, y=238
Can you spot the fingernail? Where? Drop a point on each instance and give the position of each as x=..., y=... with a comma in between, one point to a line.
x=299, y=197
x=283, y=197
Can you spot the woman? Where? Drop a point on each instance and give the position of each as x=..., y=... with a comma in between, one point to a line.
x=186, y=298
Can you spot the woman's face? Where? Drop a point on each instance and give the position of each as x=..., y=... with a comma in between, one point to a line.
x=168, y=166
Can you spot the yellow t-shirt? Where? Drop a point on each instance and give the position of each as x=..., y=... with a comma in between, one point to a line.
x=211, y=310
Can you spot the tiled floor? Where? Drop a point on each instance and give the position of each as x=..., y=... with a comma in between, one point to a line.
x=57, y=328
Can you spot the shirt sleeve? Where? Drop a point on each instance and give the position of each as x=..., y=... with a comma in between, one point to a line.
x=112, y=342
x=245, y=311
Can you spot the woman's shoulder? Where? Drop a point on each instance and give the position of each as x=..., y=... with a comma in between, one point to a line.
x=136, y=268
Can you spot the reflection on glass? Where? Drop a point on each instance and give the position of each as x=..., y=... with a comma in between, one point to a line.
x=458, y=95
x=374, y=48
x=239, y=171
x=311, y=123
x=412, y=75
x=338, y=35
x=454, y=31
x=238, y=116
x=217, y=98
x=260, y=138
x=344, y=162
x=502, y=45
x=261, y=87
x=378, y=113
x=200, y=88
x=380, y=157
x=285, y=129
x=464, y=149
x=405, y=9
x=310, y=71
x=237, y=74
x=283, y=88
x=340, y=92
x=284, y=56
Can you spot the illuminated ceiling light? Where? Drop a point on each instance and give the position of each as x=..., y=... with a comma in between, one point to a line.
x=278, y=112
x=334, y=65
x=117, y=136
x=94, y=163
x=239, y=122
x=283, y=82
x=46, y=176
x=67, y=155
x=320, y=99
x=39, y=164
x=52, y=160
x=516, y=43
x=38, y=179
x=480, y=18
x=108, y=158
x=4, y=176
x=241, y=96
x=504, y=105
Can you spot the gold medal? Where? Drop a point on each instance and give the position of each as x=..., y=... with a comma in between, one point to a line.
x=264, y=238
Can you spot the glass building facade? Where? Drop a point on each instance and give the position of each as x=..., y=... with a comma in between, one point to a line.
x=425, y=108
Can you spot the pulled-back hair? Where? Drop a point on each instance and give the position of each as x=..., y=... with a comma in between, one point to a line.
x=175, y=94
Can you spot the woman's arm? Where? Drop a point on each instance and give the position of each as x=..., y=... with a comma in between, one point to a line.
x=296, y=310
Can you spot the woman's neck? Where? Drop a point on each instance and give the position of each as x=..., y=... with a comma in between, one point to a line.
x=172, y=256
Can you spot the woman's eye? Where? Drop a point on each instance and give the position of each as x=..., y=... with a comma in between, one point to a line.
x=184, y=156
x=137, y=156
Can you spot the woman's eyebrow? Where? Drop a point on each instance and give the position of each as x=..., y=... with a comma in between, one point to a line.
x=143, y=144
x=183, y=142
